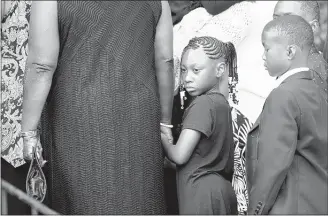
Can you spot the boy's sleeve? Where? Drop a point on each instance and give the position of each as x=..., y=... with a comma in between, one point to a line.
x=199, y=116
x=278, y=131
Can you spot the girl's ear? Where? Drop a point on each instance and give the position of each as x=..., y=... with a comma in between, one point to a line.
x=220, y=69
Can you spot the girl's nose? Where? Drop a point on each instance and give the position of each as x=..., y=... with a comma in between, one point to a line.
x=187, y=77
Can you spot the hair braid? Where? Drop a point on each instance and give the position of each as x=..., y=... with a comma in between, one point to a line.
x=216, y=49
x=233, y=75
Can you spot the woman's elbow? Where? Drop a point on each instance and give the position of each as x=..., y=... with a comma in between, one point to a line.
x=42, y=62
x=44, y=67
x=40, y=71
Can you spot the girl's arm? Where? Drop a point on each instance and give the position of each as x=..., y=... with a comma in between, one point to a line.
x=198, y=122
x=181, y=152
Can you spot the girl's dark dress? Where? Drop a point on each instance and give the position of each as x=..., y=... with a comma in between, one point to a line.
x=204, y=183
x=101, y=122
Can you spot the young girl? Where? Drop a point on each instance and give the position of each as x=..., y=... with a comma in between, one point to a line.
x=204, y=151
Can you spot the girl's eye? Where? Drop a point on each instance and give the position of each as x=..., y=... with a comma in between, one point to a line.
x=183, y=70
x=196, y=70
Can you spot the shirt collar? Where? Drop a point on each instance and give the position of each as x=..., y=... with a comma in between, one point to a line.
x=281, y=78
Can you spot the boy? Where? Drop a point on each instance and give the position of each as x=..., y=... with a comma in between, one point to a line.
x=286, y=155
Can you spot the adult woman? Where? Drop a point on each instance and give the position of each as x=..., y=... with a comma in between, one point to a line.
x=14, y=43
x=101, y=123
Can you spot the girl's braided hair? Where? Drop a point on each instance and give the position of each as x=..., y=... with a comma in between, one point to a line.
x=216, y=49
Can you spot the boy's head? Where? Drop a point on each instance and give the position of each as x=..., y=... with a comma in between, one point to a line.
x=207, y=62
x=287, y=41
x=308, y=10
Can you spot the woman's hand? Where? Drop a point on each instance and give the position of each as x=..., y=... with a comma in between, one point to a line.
x=29, y=144
x=166, y=135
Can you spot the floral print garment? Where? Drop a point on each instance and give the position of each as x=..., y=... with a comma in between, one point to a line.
x=14, y=36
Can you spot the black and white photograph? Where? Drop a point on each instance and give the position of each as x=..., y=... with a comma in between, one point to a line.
x=164, y=107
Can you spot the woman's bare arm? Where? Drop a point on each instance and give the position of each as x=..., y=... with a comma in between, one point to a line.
x=164, y=62
x=41, y=61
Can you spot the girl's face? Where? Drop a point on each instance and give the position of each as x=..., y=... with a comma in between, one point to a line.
x=199, y=72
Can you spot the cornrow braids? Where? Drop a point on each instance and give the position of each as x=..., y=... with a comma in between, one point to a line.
x=233, y=75
x=216, y=49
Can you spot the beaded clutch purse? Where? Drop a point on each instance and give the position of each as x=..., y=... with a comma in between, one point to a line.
x=36, y=184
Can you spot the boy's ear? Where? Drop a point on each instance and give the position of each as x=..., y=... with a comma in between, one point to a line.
x=291, y=51
x=220, y=69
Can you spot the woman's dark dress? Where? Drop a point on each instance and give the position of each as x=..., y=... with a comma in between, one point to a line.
x=101, y=122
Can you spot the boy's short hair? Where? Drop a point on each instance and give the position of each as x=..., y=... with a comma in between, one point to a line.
x=293, y=28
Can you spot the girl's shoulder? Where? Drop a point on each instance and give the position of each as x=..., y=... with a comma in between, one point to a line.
x=202, y=102
x=210, y=102
x=218, y=100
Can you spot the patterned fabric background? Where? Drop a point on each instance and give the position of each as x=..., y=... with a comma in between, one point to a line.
x=14, y=35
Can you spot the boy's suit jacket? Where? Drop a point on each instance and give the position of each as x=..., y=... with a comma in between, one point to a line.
x=286, y=155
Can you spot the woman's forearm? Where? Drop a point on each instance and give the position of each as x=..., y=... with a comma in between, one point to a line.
x=165, y=87
x=37, y=84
